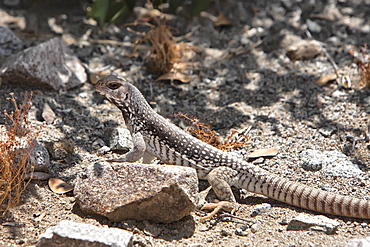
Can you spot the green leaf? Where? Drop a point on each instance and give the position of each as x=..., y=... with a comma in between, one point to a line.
x=99, y=11
x=118, y=16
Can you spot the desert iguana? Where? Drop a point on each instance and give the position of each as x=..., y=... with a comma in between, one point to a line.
x=156, y=136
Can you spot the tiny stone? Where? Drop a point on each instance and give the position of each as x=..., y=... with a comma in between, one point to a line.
x=244, y=227
x=209, y=240
x=284, y=222
x=103, y=150
x=260, y=209
x=313, y=26
x=327, y=131
x=240, y=232
x=19, y=241
x=258, y=161
x=36, y=215
x=255, y=228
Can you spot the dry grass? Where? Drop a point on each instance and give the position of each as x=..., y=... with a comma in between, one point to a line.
x=205, y=134
x=15, y=146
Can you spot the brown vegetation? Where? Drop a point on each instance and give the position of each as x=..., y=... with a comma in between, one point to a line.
x=362, y=60
x=15, y=146
x=205, y=134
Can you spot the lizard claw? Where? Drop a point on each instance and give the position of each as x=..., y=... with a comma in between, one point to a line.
x=224, y=205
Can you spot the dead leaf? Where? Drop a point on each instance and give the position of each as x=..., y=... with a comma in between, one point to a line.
x=222, y=21
x=325, y=79
x=175, y=76
x=59, y=186
x=265, y=152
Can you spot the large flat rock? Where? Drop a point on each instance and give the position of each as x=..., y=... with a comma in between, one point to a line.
x=48, y=65
x=119, y=191
x=71, y=234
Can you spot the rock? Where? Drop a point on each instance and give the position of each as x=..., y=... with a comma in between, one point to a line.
x=255, y=227
x=327, y=131
x=334, y=163
x=240, y=232
x=304, y=49
x=358, y=242
x=317, y=223
x=9, y=42
x=61, y=149
x=313, y=26
x=119, y=191
x=48, y=114
x=260, y=209
x=39, y=157
x=71, y=234
x=120, y=139
x=48, y=65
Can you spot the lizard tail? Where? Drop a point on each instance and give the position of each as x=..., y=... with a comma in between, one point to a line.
x=300, y=195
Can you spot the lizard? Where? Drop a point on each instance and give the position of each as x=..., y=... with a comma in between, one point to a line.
x=154, y=135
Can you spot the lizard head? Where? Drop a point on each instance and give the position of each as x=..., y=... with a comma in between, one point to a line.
x=116, y=90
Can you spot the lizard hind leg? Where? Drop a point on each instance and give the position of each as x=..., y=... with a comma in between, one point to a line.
x=221, y=179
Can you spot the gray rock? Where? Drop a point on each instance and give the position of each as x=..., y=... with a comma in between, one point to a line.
x=334, y=163
x=71, y=234
x=9, y=42
x=120, y=139
x=255, y=227
x=358, y=242
x=313, y=26
x=39, y=157
x=317, y=223
x=303, y=50
x=48, y=65
x=260, y=209
x=327, y=130
x=157, y=193
x=48, y=114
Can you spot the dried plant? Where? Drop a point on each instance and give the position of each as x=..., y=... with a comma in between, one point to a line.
x=364, y=70
x=362, y=60
x=170, y=60
x=162, y=53
x=17, y=138
x=205, y=134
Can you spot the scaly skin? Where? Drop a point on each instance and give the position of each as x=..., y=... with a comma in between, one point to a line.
x=155, y=135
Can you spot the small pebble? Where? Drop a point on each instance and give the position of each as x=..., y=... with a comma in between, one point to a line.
x=240, y=232
x=255, y=228
x=19, y=241
x=260, y=209
x=36, y=215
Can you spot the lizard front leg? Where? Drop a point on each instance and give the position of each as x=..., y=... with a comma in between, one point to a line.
x=221, y=179
x=136, y=152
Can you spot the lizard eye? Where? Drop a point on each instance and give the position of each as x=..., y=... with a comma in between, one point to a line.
x=113, y=85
